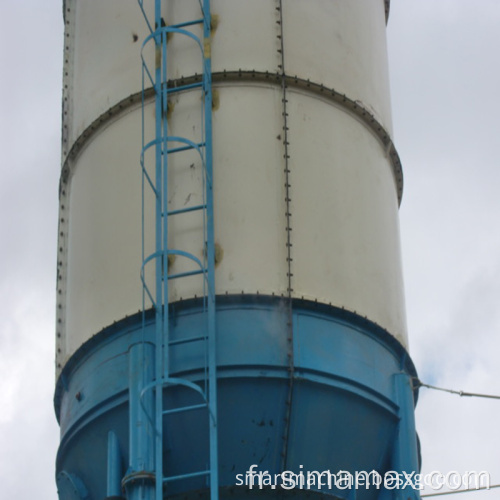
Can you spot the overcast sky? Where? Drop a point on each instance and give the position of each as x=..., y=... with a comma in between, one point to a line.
x=444, y=80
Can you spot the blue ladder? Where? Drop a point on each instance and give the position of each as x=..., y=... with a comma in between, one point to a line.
x=155, y=181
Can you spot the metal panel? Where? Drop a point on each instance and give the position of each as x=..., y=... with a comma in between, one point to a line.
x=345, y=220
x=345, y=390
x=105, y=42
x=104, y=250
x=104, y=233
x=249, y=194
x=345, y=48
x=246, y=36
x=344, y=208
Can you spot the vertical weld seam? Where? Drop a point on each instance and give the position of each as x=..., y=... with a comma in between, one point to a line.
x=289, y=312
x=64, y=187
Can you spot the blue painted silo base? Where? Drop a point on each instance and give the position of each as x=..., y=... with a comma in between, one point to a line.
x=349, y=406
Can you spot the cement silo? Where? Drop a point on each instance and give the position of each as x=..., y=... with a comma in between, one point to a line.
x=229, y=275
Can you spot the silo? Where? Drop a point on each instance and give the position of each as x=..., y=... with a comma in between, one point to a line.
x=229, y=274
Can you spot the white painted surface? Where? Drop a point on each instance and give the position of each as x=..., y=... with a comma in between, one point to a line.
x=106, y=60
x=341, y=44
x=345, y=48
x=250, y=194
x=344, y=208
x=345, y=229
x=104, y=228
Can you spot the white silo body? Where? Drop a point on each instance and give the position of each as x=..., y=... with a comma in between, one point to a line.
x=344, y=178
x=306, y=181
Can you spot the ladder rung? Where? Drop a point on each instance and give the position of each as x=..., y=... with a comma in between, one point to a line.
x=185, y=408
x=186, y=476
x=187, y=273
x=180, y=88
x=188, y=340
x=188, y=209
x=160, y=147
x=187, y=23
x=185, y=148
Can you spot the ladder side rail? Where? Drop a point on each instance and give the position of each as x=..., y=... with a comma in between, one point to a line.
x=160, y=255
x=212, y=359
x=159, y=264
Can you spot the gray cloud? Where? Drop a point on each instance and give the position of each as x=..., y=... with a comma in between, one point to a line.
x=444, y=80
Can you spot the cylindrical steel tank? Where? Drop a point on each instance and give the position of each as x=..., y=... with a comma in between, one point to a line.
x=312, y=352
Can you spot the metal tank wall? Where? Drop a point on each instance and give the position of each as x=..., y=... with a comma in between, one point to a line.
x=312, y=345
